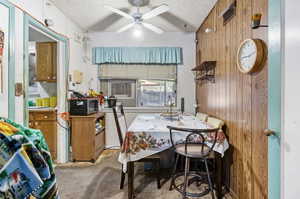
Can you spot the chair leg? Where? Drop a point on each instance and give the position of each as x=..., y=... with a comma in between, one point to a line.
x=158, y=173
x=173, y=172
x=122, y=179
x=186, y=171
x=209, y=180
x=130, y=173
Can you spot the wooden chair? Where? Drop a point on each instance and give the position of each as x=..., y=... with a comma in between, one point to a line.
x=202, y=116
x=216, y=123
x=121, y=125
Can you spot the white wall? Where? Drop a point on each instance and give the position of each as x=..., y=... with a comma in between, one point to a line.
x=291, y=132
x=186, y=84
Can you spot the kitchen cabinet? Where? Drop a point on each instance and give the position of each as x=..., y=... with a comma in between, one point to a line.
x=46, y=122
x=88, y=136
x=46, y=61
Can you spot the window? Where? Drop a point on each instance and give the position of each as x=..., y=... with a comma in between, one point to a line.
x=140, y=85
x=156, y=93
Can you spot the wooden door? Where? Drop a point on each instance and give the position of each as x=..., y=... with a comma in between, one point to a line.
x=83, y=138
x=49, y=130
x=54, y=62
x=46, y=61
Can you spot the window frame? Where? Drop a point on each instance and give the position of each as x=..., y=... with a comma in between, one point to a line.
x=136, y=88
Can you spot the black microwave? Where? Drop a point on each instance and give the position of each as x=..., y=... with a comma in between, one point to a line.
x=83, y=106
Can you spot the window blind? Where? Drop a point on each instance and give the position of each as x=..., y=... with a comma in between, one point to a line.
x=137, y=71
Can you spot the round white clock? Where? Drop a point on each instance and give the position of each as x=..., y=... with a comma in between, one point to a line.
x=250, y=55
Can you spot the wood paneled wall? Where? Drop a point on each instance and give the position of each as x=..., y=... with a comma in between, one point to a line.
x=238, y=99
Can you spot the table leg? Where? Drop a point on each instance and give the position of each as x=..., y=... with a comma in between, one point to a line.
x=130, y=172
x=219, y=174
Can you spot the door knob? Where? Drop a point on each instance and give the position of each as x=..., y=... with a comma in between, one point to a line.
x=269, y=132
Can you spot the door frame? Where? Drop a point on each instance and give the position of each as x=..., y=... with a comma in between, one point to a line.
x=62, y=82
x=275, y=90
x=11, y=59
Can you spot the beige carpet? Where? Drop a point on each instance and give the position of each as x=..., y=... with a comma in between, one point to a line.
x=102, y=181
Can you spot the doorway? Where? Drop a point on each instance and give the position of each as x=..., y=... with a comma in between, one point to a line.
x=45, y=72
x=42, y=86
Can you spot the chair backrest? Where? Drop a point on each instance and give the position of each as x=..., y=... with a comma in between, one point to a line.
x=216, y=123
x=198, y=137
x=202, y=116
x=120, y=121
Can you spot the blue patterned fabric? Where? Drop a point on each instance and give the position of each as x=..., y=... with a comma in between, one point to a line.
x=137, y=55
x=26, y=166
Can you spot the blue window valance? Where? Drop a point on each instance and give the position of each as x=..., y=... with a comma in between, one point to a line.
x=137, y=55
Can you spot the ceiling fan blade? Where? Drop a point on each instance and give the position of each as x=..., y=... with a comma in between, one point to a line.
x=153, y=28
x=126, y=27
x=120, y=12
x=156, y=11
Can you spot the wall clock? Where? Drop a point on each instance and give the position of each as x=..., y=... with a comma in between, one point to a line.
x=250, y=55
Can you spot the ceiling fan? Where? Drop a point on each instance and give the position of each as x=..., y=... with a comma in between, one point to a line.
x=138, y=18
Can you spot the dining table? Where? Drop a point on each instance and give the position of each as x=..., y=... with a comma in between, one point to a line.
x=148, y=134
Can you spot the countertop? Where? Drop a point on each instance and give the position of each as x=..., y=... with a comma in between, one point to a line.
x=43, y=109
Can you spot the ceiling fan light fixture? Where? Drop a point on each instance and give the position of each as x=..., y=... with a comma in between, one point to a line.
x=137, y=31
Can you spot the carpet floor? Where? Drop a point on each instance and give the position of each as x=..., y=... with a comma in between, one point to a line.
x=102, y=180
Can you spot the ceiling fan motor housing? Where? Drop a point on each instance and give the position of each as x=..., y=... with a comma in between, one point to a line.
x=139, y=3
x=137, y=17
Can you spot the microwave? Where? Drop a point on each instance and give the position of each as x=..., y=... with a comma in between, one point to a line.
x=83, y=106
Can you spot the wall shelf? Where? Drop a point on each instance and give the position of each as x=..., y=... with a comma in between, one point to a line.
x=205, y=71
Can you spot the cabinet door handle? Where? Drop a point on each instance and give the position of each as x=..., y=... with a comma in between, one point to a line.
x=53, y=77
x=48, y=77
x=45, y=116
x=36, y=123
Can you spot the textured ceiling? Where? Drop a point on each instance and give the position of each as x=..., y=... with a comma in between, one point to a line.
x=183, y=16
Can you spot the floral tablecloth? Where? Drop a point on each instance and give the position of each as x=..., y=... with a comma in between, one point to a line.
x=26, y=167
x=148, y=134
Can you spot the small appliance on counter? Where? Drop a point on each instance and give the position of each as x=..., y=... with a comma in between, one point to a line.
x=81, y=105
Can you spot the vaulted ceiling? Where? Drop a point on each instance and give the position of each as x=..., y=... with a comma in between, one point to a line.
x=183, y=16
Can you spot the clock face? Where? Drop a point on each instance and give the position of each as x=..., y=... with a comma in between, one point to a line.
x=247, y=55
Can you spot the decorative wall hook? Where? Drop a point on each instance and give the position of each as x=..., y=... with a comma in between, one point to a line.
x=256, y=19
